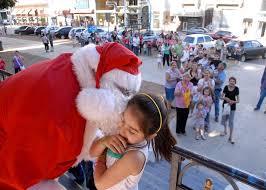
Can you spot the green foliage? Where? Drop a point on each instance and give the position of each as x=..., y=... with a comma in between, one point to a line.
x=4, y=4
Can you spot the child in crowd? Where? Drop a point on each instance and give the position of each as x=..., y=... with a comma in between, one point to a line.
x=149, y=46
x=121, y=158
x=159, y=60
x=199, y=116
x=145, y=48
x=45, y=41
x=195, y=99
x=207, y=100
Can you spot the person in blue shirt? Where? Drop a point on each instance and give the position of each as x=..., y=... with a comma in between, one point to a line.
x=219, y=77
x=262, y=91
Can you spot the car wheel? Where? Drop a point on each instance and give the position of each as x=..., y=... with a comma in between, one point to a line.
x=264, y=55
x=62, y=37
x=243, y=58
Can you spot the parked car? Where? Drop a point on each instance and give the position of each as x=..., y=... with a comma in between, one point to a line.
x=76, y=31
x=51, y=29
x=87, y=35
x=203, y=39
x=197, y=30
x=24, y=30
x=251, y=49
x=38, y=30
x=62, y=32
x=226, y=35
x=150, y=36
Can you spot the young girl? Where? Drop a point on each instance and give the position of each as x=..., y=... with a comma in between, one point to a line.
x=144, y=121
x=199, y=116
x=207, y=100
x=195, y=99
x=159, y=60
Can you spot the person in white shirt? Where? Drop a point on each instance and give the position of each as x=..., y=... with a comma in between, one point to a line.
x=203, y=61
x=136, y=43
x=206, y=81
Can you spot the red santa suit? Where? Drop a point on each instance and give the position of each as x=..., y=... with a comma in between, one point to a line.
x=41, y=131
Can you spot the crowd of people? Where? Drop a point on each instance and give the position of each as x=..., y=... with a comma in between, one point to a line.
x=194, y=82
x=194, y=85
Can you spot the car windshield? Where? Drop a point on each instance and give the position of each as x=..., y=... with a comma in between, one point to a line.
x=189, y=39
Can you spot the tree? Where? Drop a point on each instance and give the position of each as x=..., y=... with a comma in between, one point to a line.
x=4, y=4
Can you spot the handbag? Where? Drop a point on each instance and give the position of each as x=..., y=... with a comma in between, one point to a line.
x=226, y=109
x=22, y=67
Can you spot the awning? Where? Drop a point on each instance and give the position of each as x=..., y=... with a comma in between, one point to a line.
x=82, y=11
x=20, y=12
x=31, y=12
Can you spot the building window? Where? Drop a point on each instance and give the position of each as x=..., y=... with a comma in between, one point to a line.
x=101, y=5
x=82, y=4
x=133, y=2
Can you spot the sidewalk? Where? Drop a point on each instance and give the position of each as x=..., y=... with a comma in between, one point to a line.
x=250, y=149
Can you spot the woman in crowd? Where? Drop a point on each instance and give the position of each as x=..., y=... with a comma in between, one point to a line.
x=183, y=93
x=195, y=76
x=172, y=76
x=18, y=64
x=230, y=96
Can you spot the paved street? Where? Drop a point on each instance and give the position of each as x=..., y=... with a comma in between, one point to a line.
x=250, y=130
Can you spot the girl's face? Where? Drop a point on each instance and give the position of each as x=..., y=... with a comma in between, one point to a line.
x=194, y=66
x=130, y=128
x=206, y=75
x=200, y=106
x=232, y=82
x=186, y=78
x=206, y=92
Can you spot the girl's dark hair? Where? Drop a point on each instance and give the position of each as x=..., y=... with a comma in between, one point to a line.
x=207, y=88
x=149, y=121
x=232, y=78
x=199, y=103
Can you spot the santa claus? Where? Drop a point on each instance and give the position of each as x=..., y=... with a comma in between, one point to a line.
x=49, y=113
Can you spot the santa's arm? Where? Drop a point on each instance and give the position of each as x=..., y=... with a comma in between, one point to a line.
x=95, y=105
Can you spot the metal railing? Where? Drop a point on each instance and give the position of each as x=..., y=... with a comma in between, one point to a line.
x=4, y=74
x=230, y=174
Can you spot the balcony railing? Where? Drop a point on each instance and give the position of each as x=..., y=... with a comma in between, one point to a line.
x=183, y=159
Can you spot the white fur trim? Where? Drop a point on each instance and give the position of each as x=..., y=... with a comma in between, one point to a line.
x=90, y=102
x=124, y=79
x=85, y=60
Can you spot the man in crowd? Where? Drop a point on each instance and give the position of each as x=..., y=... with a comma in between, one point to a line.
x=262, y=91
x=219, y=77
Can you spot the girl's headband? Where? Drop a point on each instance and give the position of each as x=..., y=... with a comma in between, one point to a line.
x=159, y=111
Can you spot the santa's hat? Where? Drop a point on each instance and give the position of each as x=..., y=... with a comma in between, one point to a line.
x=116, y=56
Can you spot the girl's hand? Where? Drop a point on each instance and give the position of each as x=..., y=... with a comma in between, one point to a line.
x=116, y=143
